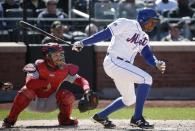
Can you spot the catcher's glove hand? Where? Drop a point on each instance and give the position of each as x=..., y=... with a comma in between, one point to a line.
x=6, y=86
x=89, y=101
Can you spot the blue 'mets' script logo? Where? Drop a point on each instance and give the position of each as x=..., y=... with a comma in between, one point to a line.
x=136, y=39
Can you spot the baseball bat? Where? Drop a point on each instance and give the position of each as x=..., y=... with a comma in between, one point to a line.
x=28, y=26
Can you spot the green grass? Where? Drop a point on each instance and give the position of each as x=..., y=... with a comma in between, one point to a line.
x=126, y=113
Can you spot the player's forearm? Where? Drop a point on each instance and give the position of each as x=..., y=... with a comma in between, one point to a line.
x=82, y=82
x=148, y=56
x=100, y=36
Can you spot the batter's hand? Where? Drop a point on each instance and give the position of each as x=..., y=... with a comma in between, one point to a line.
x=77, y=46
x=161, y=66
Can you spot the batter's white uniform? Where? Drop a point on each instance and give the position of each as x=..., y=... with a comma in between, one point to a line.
x=127, y=40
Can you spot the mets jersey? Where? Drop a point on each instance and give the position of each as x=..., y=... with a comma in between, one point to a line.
x=127, y=39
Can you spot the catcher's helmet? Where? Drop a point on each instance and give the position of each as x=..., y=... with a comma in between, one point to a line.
x=49, y=50
x=51, y=47
x=145, y=14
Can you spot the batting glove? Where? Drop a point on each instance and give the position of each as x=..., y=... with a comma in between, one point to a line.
x=77, y=46
x=161, y=66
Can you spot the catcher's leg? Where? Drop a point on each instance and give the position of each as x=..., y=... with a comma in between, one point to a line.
x=65, y=100
x=21, y=101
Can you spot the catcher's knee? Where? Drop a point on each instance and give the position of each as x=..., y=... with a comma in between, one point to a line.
x=30, y=94
x=65, y=97
x=148, y=80
x=128, y=101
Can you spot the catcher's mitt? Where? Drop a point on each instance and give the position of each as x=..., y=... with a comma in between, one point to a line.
x=89, y=101
x=6, y=86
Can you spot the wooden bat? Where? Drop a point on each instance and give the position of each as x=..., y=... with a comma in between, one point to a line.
x=28, y=26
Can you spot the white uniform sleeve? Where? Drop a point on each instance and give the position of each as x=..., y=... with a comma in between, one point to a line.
x=119, y=26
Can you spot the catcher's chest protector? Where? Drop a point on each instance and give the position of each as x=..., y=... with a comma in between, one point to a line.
x=55, y=78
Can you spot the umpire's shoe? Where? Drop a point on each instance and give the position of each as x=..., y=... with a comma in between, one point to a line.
x=142, y=123
x=104, y=121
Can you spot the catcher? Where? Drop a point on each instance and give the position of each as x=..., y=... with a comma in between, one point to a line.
x=47, y=88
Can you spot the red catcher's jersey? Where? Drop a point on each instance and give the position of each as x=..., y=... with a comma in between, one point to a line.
x=55, y=78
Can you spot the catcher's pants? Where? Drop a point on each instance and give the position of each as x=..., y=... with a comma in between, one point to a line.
x=125, y=75
x=43, y=104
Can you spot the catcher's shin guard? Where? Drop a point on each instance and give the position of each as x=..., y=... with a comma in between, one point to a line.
x=21, y=101
x=65, y=100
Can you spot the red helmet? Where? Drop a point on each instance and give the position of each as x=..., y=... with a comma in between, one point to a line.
x=51, y=47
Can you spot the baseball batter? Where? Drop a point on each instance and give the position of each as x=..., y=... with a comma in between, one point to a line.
x=128, y=38
x=47, y=87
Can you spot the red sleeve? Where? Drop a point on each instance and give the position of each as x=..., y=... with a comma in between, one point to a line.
x=72, y=69
x=82, y=82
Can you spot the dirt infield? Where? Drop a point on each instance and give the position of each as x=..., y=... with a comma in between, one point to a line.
x=87, y=125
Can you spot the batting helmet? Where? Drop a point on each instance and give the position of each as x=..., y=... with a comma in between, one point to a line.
x=145, y=14
x=51, y=47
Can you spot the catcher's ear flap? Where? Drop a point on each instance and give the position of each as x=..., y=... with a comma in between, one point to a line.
x=83, y=105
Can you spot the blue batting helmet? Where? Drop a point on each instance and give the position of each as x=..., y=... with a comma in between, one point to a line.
x=145, y=14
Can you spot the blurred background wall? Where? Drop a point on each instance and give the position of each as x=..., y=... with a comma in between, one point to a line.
x=178, y=82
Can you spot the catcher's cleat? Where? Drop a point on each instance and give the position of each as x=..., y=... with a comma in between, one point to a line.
x=7, y=123
x=142, y=123
x=69, y=122
x=104, y=121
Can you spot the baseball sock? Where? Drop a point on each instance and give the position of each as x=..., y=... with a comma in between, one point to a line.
x=115, y=105
x=142, y=92
x=20, y=103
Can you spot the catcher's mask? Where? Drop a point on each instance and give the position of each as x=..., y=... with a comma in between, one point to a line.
x=54, y=55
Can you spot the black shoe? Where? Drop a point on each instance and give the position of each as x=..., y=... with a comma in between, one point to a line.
x=142, y=123
x=104, y=121
x=7, y=123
